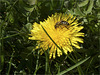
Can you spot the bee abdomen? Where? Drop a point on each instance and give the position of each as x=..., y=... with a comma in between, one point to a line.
x=61, y=23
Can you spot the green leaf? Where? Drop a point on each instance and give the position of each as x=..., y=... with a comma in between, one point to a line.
x=66, y=4
x=83, y=3
x=98, y=15
x=11, y=18
x=90, y=7
x=27, y=27
x=78, y=11
x=98, y=3
x=74, y=66
x=26, y=6
x=31, y=2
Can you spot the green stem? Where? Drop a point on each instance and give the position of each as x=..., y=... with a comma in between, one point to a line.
x=37, y=63
x=47, y=67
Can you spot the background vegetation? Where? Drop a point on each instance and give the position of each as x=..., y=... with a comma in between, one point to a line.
x=16, y=50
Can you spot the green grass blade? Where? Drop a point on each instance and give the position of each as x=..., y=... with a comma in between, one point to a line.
x=89, y=64
x=11, y=36
x=51, y=38
x=1, y=62
x=1, y=47
x=10, y=63
x=74, y=66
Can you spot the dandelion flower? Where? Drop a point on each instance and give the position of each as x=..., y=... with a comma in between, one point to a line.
x=63, y=29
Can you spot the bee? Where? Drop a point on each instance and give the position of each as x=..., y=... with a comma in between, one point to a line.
x=61, y=23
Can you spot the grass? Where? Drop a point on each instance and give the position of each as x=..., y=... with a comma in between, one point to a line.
x=16, y=50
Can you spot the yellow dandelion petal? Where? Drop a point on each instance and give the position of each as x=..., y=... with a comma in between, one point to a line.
x=76, y=39
x=76, y=45
x=54, y=55
x=79, y=34
x=50, y=55
x=65, y=50
x=59, y=52
x=63, y=29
